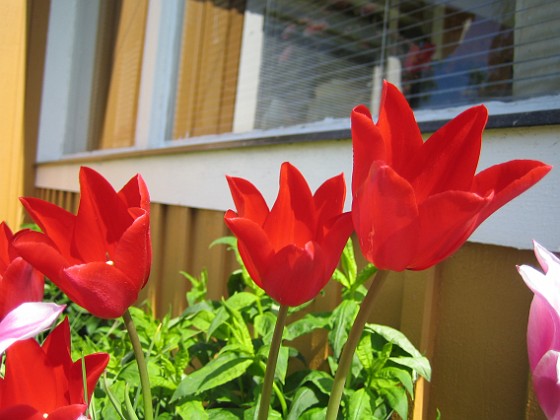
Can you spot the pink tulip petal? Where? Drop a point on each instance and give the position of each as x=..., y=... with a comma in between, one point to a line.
x=26, y=321
x=546, y=382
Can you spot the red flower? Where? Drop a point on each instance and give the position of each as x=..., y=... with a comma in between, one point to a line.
x=292, y=250
x=415, y=202
x=100, y=257
x=43, y=379
x=19, y=281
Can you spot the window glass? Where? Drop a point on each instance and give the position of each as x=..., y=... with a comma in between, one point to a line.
x=320, y=58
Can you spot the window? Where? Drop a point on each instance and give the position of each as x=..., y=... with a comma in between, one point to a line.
x=144, y=74
x=320, y=58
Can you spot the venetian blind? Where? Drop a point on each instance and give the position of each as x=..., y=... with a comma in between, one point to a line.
x=320, y=58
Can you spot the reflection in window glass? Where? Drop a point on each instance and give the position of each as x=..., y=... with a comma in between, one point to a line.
x=320, y=58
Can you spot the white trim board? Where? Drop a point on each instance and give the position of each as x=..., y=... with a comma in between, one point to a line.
x=197, y=179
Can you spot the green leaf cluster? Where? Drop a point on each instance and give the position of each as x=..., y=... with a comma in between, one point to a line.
x=209, y=362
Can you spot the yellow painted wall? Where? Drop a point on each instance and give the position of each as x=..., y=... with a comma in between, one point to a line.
x=13, y=38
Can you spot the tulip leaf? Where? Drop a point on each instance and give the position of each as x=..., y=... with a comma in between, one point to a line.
x=220, y=318
x=215, y=373
x=191, y=410
x=304, y=399
x=360, y=405
x=396, y=397
x=364, y=352
x=240, y=332
x=341, y=319
x=241, y=300
x=306, y=325
x=264, y=326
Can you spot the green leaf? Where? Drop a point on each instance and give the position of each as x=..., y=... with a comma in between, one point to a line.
x=241, y=300
x=341, y=319
x=360, y=406
x=394, y=336
x=224, y=414
x=217, y=372
x=400, y=375
x=251, y=414
x=264, y=325
x=304, y=399
x=306, y=325
x=420, y=365
x=396, y=397
x=240, y=332
x=222, y=316
x=364, y=352
x=322, y=380
x=348, y=262
x=281, y=362
x=316, y=413
x=191, y=410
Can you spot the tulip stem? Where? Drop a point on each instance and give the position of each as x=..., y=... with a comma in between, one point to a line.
x=142, y=367
x=271, y=362
x=347, y=355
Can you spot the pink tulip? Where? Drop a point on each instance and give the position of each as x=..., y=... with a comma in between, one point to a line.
x=26, y=321
x=543, y=330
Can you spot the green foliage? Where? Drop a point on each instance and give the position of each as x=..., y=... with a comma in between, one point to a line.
x=209, y=362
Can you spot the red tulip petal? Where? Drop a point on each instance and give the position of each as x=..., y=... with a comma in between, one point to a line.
x=449, y=158
x=507, y=180
x=546, y=382
x=296, y=275
x=367, y=145
x=6, y=236
x=57, y=345
x=54, y=221
x=253, y=244
x=102, y=289
x=70, y=412
x=20, y=412
x=40, y=251
x=20, y=283
x=95, y=364
x=102, y=217
x=385, y=218
x=329, y=200
x=135, y=193
x=248, y=200
x=446, y=221
x=335, y=239
x=29, y=379
x=398, y=128
x=133, y=254
x=292, y=217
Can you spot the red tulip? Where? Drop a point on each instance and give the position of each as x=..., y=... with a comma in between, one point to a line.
x=292, y=250
x=44, y=382
x=415, y=202
x=19, y=281
x=100, y=257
